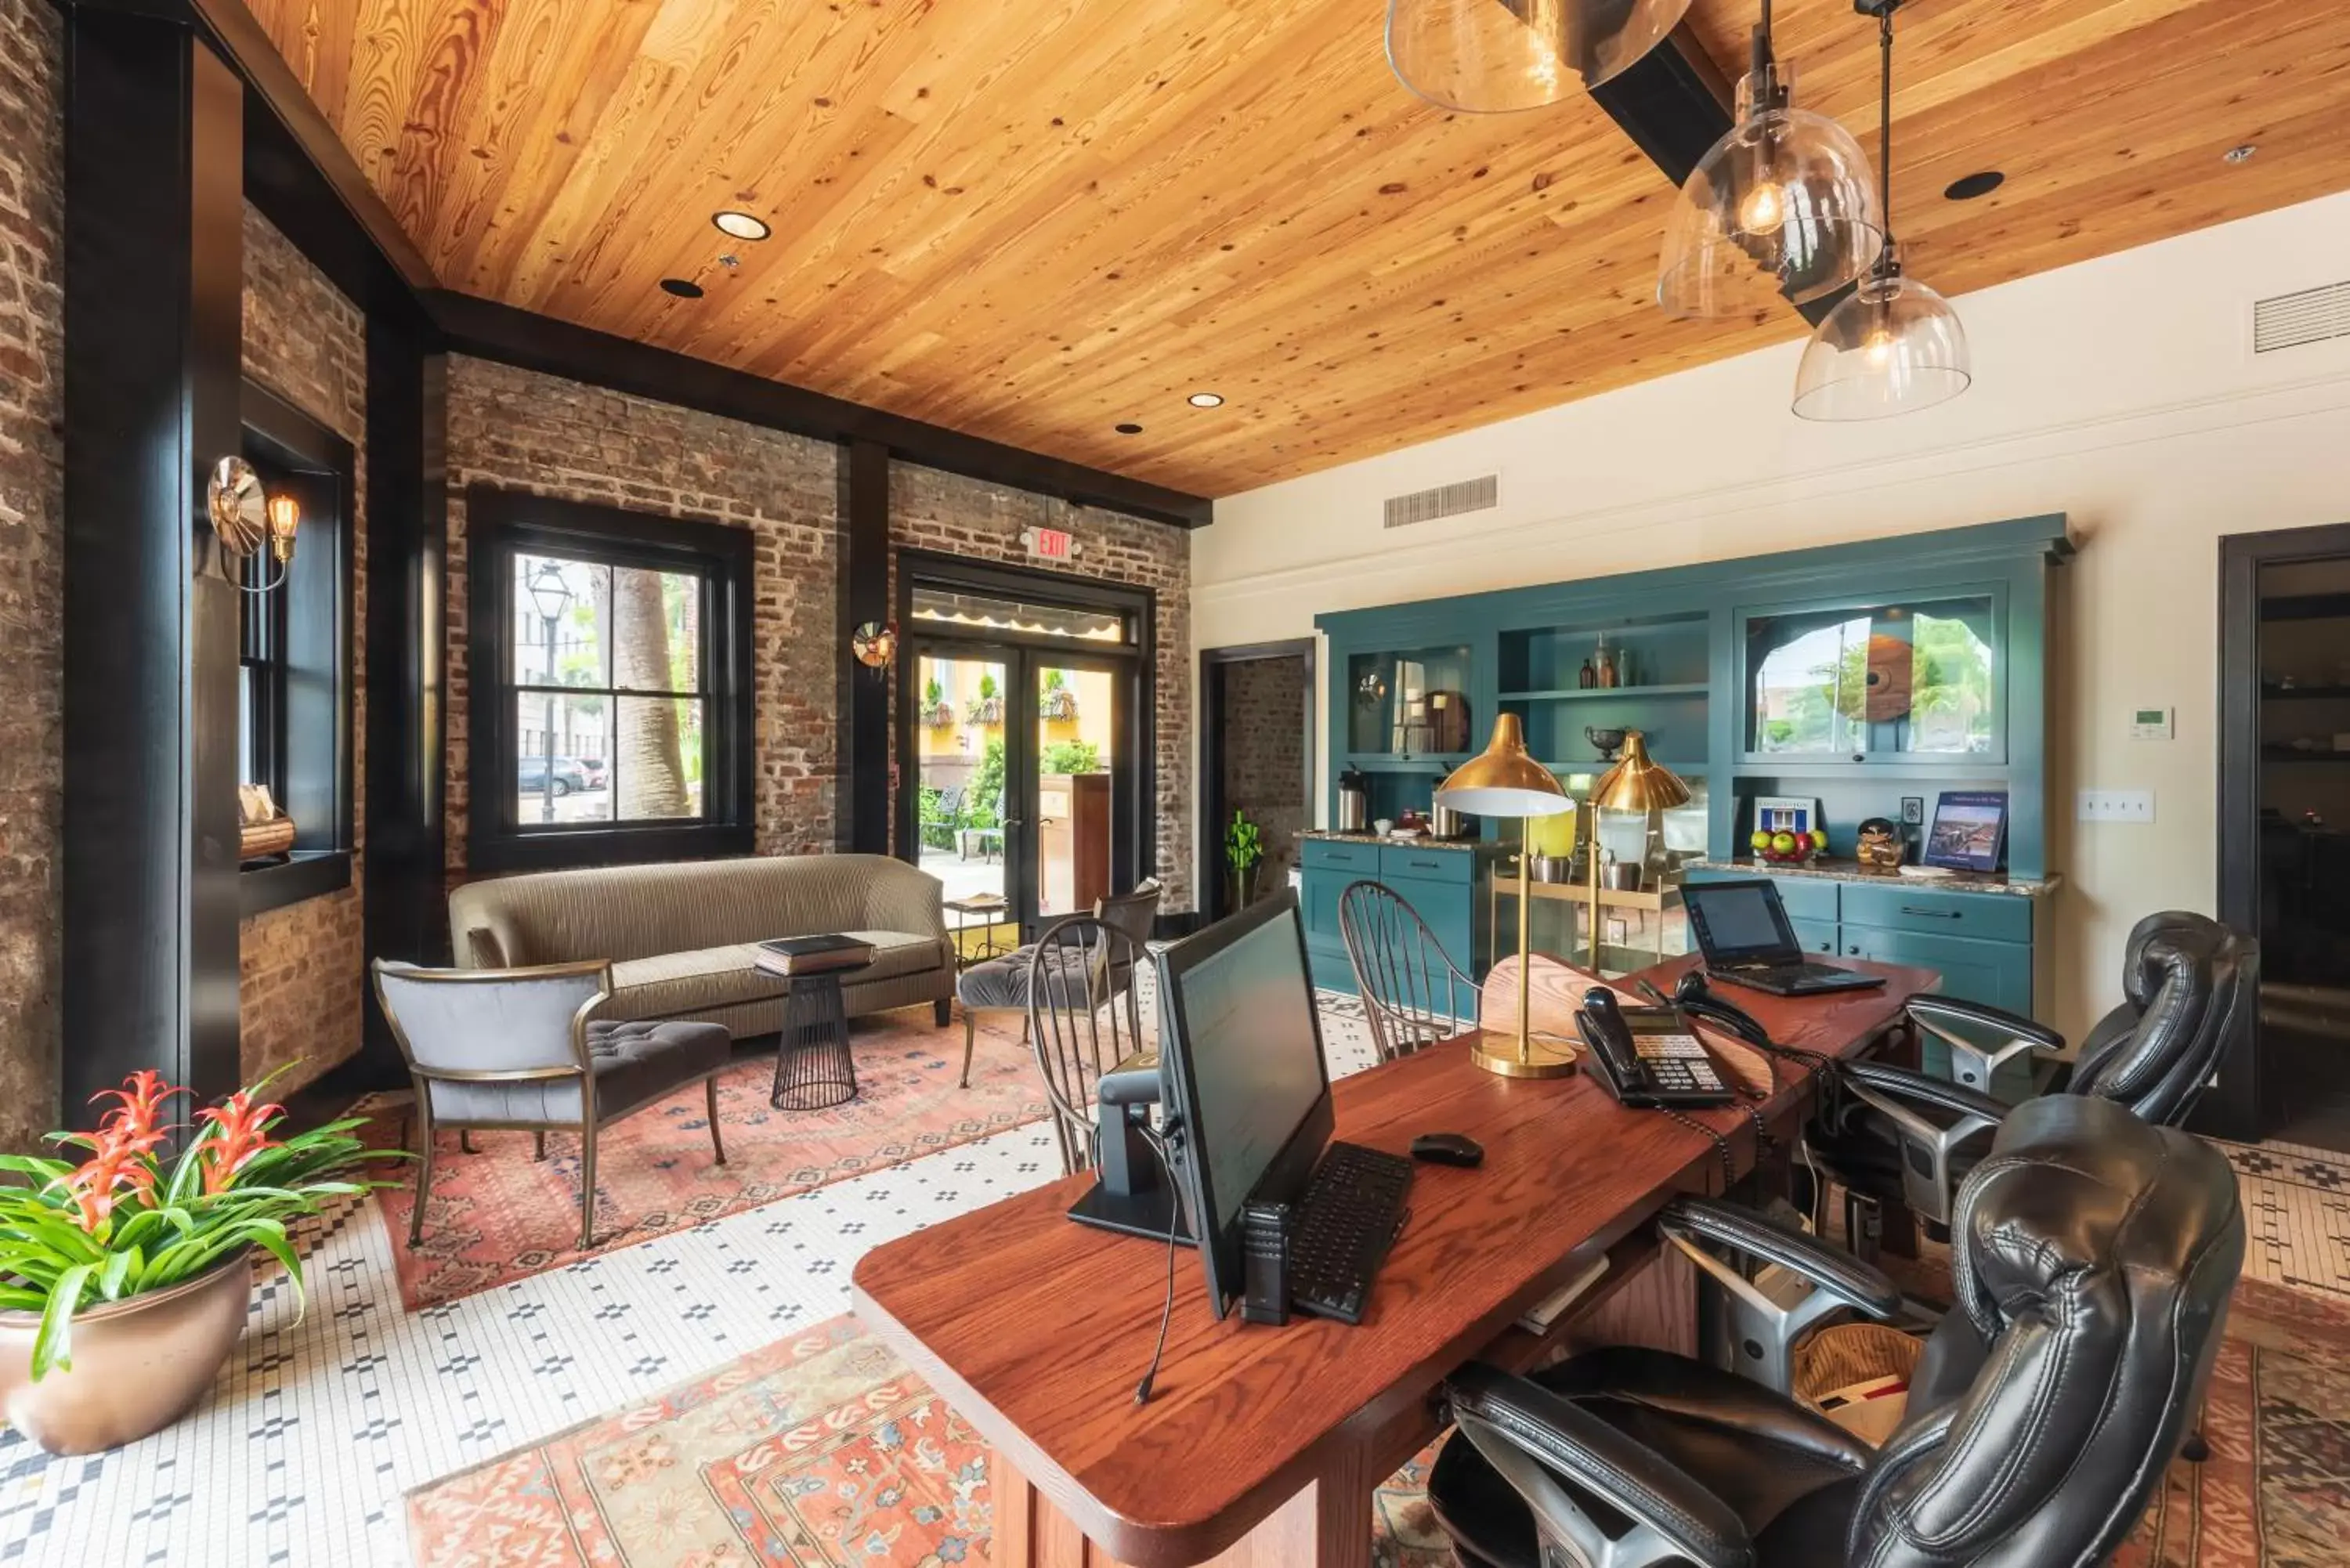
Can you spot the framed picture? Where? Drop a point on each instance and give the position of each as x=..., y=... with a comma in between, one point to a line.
x=1970, y=831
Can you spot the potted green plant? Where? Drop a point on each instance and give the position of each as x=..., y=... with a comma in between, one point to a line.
x=124, y=1280
x=1244, y=853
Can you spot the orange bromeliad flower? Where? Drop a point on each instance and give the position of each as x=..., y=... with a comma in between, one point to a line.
x=243, y=1133
x=138, y=1121
x=120, y=1165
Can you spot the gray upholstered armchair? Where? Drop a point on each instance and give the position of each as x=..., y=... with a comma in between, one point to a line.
x=522, y=1049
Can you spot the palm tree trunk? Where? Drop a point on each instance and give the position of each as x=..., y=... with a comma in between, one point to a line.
x=649, y=770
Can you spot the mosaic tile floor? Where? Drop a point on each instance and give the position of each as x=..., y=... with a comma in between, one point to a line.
x=305, y=1450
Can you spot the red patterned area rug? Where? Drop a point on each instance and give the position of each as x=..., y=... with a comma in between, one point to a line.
x=498, y=1215
x=823, y=1451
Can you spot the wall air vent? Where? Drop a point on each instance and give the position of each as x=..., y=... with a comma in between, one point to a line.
x=2291, y=320
x=1444, y=501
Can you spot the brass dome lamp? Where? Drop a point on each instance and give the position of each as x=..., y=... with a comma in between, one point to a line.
x=1504, y=780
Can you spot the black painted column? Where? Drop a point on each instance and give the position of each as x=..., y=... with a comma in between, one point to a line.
x=861, y=801
x=404, y=877
x=154, y=225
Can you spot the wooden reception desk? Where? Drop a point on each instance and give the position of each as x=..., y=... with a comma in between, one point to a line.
x=1262, y=1446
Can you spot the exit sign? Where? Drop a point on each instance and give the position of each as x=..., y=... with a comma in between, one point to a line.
x=1050, y=543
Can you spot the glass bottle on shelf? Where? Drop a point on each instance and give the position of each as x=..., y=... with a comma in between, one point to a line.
x=1587, y=677
x=1606, y=663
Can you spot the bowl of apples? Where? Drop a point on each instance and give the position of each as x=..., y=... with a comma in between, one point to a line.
x=1786, y=848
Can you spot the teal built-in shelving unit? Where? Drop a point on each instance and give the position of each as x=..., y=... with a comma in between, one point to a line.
x=1706, y=648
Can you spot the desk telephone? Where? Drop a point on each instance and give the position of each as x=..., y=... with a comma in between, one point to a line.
x=1649, y=1057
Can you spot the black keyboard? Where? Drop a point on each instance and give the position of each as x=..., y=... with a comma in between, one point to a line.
x=1342, y=1229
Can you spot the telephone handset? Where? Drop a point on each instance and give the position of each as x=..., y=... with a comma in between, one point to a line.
x=1648, y=1057
x=1691, y=995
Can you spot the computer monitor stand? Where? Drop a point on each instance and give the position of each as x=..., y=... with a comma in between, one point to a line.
x=1131, y=1194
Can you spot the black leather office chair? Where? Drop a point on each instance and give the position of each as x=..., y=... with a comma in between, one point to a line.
x=2095, y=1257
x=1980, y=1038
x=1896, y=1135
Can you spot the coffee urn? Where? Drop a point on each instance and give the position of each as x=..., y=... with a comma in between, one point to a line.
x=1354, y=802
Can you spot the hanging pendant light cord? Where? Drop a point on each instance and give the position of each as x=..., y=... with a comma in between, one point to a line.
x=1885, y=121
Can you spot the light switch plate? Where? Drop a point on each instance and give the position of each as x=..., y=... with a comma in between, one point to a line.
x=2114, y=806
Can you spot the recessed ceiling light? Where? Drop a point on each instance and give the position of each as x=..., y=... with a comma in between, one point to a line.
x=685, y=288
x=1206, y=399
x=1974, y=185
x=2240, y=154
x=741, y=225
x=1129, y=430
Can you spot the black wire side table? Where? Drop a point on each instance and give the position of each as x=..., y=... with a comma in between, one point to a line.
x=814, y=1069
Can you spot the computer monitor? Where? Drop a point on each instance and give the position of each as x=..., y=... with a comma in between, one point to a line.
x=1247, y=1087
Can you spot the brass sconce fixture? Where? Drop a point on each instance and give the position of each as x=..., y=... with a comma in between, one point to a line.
x=246, y=517
x=875, y=643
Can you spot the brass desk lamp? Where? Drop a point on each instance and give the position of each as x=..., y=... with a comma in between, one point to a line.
x=1639, y=784
x=1504, y=780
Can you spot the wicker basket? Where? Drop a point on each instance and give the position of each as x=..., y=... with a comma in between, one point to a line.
x=257, y=840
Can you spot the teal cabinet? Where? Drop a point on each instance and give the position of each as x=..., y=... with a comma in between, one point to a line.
x=1445, y=885
x=1988, y=946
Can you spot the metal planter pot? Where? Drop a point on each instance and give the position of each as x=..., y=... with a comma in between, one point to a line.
x=138, y=1365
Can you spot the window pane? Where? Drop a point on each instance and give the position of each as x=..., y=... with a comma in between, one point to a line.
x=578, y=787
x=579, y=596
x=244, y=724
x=660, y=747
x=657, y=631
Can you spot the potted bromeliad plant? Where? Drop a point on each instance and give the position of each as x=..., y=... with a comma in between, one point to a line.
x=124, y=1278
x=1244, y=853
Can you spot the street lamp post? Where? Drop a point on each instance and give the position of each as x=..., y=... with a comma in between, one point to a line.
x=552, y=595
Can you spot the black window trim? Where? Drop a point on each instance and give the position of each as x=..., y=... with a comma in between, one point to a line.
x=501, y=524
x=314, y=616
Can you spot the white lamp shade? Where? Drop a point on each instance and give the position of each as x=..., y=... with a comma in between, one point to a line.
x=1893, y=347
x=1783, y=208
x=1493, y=801
x=1492, y=57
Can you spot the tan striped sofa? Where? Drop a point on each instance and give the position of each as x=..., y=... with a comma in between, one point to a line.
x=681, y=937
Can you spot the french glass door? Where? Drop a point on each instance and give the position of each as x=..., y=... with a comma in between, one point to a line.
x=1024, y=780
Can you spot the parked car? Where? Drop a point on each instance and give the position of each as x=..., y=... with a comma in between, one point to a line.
x=600, y=774
x=568, y=776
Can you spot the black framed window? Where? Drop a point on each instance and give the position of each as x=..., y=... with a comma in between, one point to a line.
x=261, y=673
x=295, y=678
x=611, y=698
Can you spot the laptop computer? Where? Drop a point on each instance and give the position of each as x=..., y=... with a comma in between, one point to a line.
x=1744, y=934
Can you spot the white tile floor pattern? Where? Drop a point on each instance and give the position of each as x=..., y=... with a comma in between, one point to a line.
x=2297, y=1209
x=304, y=1450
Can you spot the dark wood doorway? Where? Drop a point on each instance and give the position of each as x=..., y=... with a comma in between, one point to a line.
x=2285, y=830
x=1249, y=694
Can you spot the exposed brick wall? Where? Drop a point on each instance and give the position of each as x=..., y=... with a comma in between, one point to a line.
x=303, y=967
x=523, y=431
x=32, y=524
x=932, y=510
x=1264, y=760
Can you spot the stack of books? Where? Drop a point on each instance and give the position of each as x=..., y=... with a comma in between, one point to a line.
x=794, y=956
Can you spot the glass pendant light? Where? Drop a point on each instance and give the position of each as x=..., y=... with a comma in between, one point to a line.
x=1780, y=208
x=1895, y=345
x=1489, y=57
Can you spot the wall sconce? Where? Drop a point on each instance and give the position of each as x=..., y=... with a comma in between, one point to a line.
x=875, y=643
x=246, y=517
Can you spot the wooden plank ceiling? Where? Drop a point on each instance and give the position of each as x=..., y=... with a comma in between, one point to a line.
x=1033, y=220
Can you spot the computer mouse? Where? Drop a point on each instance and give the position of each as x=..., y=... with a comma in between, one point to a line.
x=1448, y=1149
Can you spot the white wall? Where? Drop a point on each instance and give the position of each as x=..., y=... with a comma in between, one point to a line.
x=2123, y=391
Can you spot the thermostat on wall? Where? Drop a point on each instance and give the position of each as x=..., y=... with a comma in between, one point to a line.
x=2153, y=723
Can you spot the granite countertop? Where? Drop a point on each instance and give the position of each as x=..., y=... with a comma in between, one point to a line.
x=1335, y=836
x=1851, y=871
